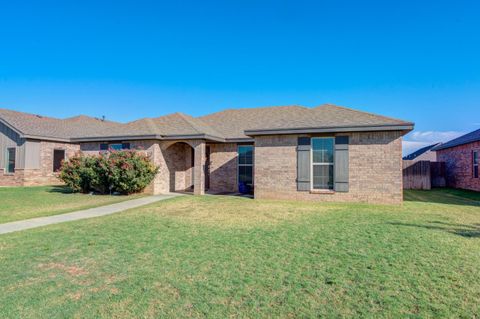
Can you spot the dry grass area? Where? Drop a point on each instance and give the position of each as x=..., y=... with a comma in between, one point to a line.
x=227, y=211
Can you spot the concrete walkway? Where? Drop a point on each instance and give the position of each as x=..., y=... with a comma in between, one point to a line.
x=81, y=214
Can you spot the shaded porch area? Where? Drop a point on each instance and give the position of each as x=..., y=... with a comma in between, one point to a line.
x=202, y=167
x=182, y=166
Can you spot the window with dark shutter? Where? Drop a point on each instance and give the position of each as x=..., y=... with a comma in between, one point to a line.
x=341, y=164
x=303, y=164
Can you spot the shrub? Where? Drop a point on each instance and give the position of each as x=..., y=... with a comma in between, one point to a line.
x=125, y=172
x=78, y=173
x=130, y=172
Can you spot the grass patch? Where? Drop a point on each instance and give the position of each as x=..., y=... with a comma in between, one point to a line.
x=18, y=203
x=216, y=256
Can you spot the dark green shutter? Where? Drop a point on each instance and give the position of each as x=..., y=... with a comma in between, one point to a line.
x=341, y=164
x=303, y=164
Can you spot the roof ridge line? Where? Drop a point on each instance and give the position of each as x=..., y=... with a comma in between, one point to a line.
x=191, y=121
x=186, y=119
x=33, y=114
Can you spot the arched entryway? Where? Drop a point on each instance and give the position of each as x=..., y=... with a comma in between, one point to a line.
x=180, y=160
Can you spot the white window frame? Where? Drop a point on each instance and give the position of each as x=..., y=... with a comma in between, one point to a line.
x=7, y=160
x=321, y=163
x=251, y=165
x=475, y=164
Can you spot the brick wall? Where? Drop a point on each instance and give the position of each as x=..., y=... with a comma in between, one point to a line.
x=223, y=167
x=459, y=166
x=10, y=180
x=375, y=169
x=179, y=161
x=46, y=175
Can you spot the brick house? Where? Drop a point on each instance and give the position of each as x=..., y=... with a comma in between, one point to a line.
x=290, y=152
x=461, y=157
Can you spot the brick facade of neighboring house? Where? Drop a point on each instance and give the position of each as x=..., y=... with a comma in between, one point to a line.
x=375, y=169
x=46, y=174
x=37, y=168
x=459, y=166
x=244, y=150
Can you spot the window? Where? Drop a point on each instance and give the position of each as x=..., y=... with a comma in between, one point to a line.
x=475, y=164
x=245, y=168
x=114, y=147
x=10, y=167
x=322, y=162
x=58, y=158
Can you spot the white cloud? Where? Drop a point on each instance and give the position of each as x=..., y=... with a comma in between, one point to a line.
x=419, y=139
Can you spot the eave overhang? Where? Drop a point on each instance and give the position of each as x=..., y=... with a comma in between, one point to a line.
x=406, y=127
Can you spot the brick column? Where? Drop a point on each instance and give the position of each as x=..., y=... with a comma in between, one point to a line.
x=199, y=169
x=161, y=183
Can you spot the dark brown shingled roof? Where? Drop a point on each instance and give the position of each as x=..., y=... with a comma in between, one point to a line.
x=234, y=123
x=462, y=140
x=172, y=125
x=224, y=125
x=48, y=127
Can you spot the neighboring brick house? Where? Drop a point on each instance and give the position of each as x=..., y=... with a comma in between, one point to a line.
x=326, y=153
x=462, y=157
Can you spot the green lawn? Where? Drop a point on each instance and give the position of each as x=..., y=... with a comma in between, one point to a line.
x=224, y=257
x=17, y=203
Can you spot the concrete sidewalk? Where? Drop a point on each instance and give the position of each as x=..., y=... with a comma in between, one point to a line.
x=81, y=214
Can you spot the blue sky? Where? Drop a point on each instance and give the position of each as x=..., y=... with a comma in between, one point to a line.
x=415, y=60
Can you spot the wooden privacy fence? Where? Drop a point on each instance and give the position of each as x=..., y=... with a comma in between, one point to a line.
x=423, y=174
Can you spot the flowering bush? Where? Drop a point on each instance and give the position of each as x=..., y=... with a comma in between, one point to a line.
x=125, y=172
